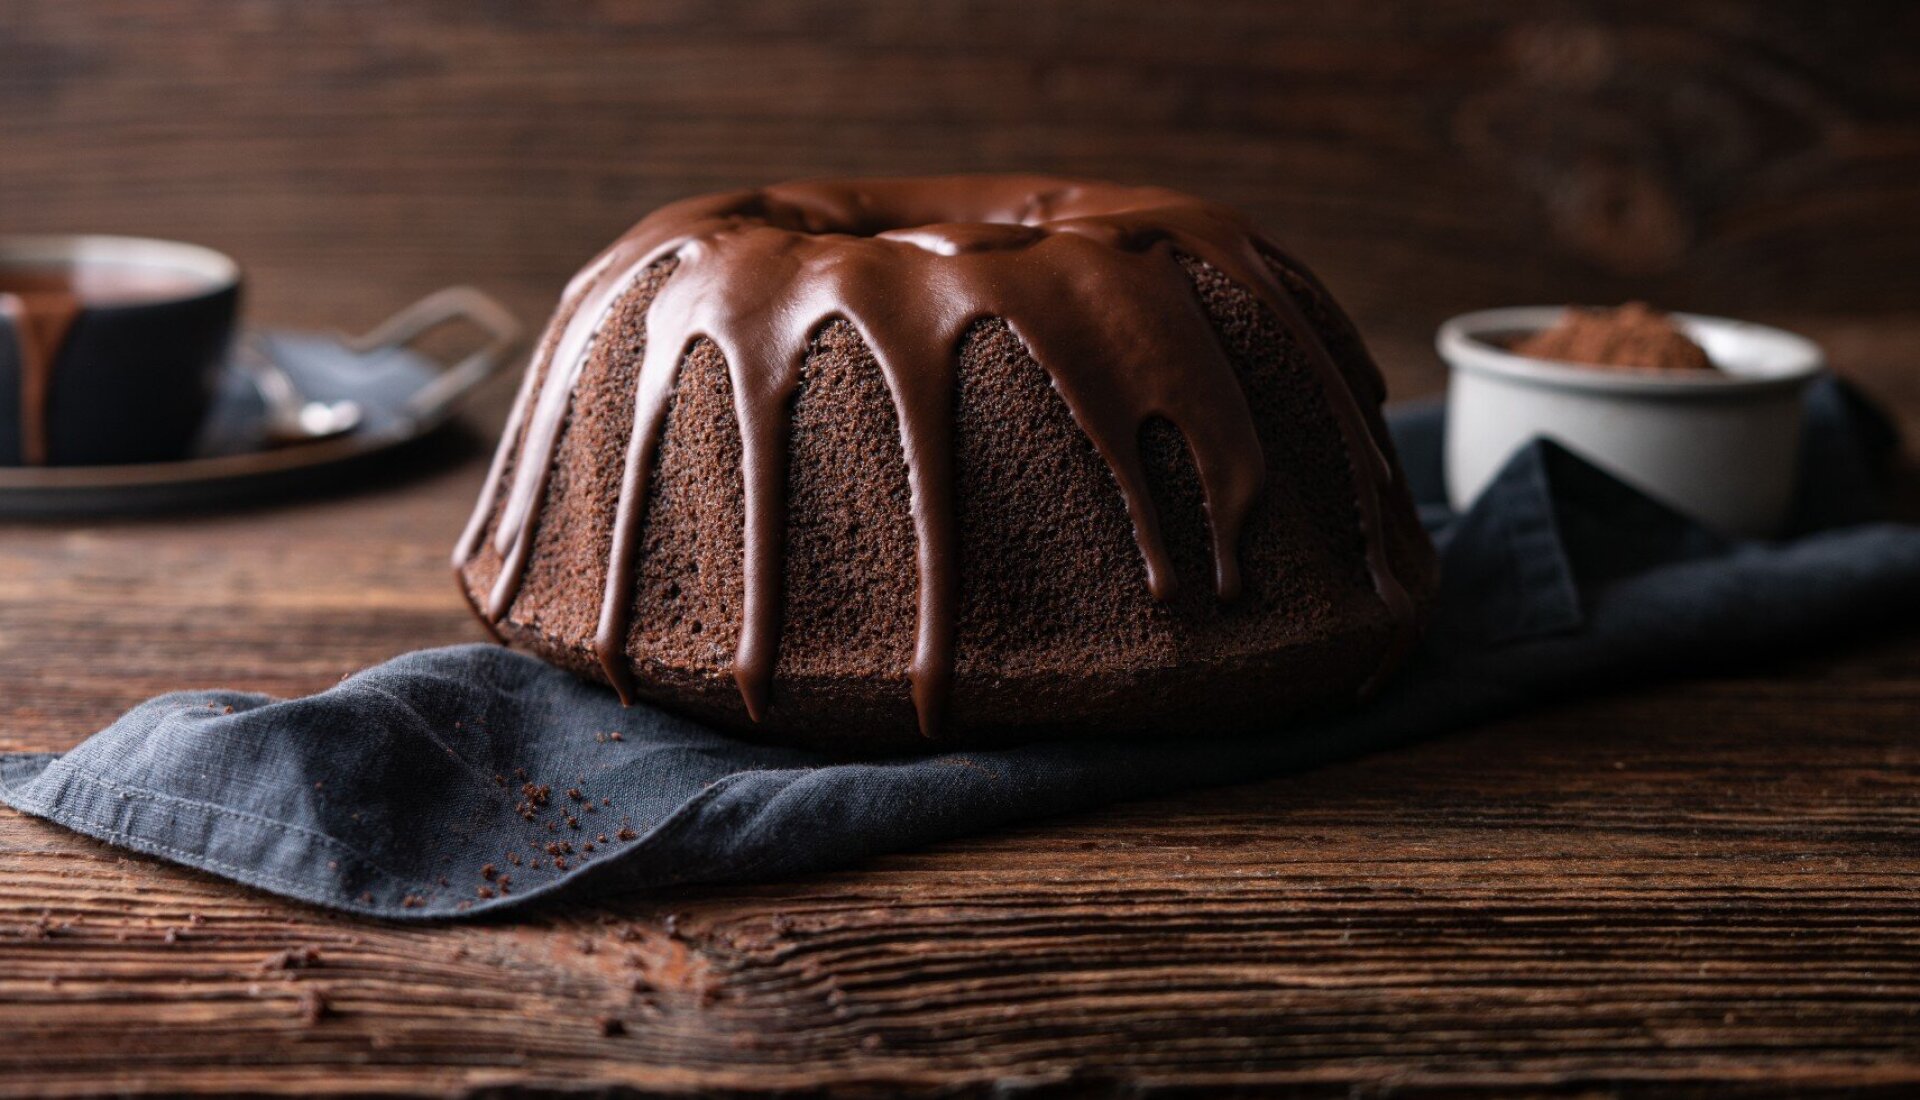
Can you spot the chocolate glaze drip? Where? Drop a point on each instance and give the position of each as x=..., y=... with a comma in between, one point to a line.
x=40, y=318
x=1086, y=275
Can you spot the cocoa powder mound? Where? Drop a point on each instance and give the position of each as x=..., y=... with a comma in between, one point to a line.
x=1634, y=335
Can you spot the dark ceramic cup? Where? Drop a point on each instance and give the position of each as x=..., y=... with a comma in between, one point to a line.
x=109, y=347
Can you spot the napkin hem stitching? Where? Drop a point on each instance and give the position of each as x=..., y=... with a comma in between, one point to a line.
x=94, y=778
x=99, y=830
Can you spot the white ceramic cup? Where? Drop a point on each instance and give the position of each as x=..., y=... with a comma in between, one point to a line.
x=1720, y=446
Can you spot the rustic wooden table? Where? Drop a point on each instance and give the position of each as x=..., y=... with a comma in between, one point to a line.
x=1712, y=885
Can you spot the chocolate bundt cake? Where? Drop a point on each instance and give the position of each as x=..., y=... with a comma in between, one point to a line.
x=865, y=463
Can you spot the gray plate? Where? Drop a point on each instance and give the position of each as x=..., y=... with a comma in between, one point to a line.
x=403, y=395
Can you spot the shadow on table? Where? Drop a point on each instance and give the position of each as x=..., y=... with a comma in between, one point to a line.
x=387, y=470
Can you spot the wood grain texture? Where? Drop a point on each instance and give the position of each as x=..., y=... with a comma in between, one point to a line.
x=1704, y=888
x=1711, y=887
x=1761, y=160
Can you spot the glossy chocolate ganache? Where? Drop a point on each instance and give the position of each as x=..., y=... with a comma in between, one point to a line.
x=40, y=308
x=1089, y=277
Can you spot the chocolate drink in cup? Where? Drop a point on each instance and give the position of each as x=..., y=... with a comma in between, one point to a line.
x=108, y=346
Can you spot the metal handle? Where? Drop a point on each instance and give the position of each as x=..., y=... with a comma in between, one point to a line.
x=435, y=400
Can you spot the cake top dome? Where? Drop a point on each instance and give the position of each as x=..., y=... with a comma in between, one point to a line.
x=1086, y=275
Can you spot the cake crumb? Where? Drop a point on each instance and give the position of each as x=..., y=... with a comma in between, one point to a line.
x=292, y=958
x=313, y=1007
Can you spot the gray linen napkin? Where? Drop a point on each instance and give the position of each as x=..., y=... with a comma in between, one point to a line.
x=471, y=779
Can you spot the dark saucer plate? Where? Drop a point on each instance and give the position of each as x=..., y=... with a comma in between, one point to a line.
x=402, y=393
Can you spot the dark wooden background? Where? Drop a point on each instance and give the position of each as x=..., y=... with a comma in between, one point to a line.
x=1709, y=887
x=1427, y=156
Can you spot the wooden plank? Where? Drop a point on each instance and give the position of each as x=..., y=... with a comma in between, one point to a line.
x=1704, y=887
x=1762, y=161
x=1709, y=884
x=1616, y=893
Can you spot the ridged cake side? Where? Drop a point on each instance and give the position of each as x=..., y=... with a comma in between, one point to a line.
x=1056, y=630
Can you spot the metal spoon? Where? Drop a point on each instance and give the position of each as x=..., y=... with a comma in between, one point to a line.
x=292, y=417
